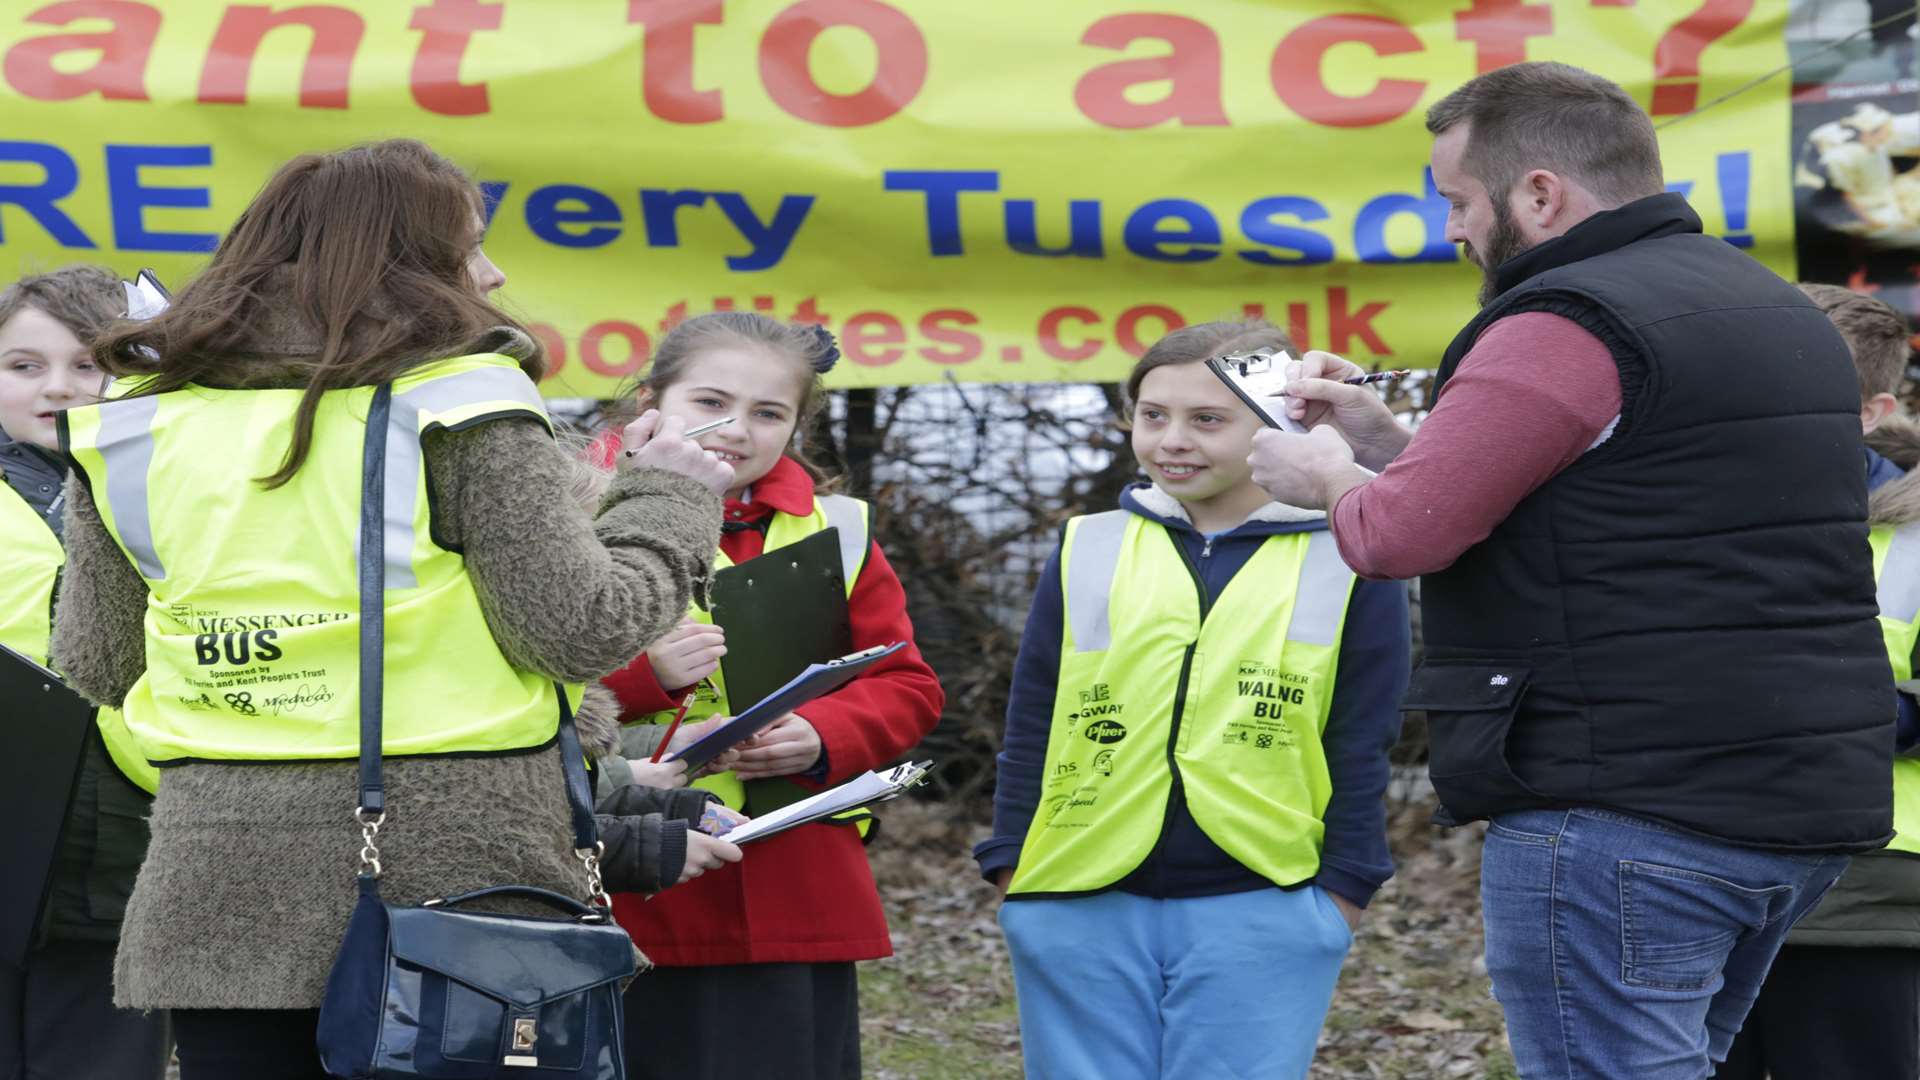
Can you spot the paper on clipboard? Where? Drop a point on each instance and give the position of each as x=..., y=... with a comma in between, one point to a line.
x=1259, y=378
x=863, y=790
x=815, y=681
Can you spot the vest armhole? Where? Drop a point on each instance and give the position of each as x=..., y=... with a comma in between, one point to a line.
x=434, y=517
x=1621, y=343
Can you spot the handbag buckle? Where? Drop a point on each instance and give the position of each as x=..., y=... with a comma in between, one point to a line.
x=525, y=1034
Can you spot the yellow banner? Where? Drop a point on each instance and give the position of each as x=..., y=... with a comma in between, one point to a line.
x=995, y=190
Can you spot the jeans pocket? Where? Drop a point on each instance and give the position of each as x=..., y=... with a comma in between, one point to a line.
x=1677, y=926
x=1470, y=707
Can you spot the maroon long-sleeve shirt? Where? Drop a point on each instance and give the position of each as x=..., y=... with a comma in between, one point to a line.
x=1535, y=392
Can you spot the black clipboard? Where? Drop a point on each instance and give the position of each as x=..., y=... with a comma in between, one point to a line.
x=816, y=681
x=48, y=725
x=782, y=611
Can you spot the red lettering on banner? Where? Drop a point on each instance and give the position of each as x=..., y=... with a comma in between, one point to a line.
x=1049, y=333
x=871, y=328
x=788, y=42
x=809, y=312
x=1191, y=70
x=323, y=78
x=553, y=344
x=943, y=325
x=119, y=75
x=447, y=28
x=1343, y=326
x=1499, y=30
x=1296, y=75
x=637, y=345
x=666, y=58
x=1126, y=327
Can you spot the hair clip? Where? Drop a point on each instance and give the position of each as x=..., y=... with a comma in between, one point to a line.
x=830, y=350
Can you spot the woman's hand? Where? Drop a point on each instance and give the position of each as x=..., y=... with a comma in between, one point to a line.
x=662, y=774
x=705, y=853
x=789, y=745
x=655, y=443
x=687, y=653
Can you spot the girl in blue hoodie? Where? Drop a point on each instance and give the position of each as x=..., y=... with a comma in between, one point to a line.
x=1189, y=817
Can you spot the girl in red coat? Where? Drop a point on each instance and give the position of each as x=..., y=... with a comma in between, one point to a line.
x=755, y=974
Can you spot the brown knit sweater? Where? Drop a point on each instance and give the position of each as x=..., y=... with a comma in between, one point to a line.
x=250, y=878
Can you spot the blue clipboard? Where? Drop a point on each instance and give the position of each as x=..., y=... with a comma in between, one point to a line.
x=817, y=681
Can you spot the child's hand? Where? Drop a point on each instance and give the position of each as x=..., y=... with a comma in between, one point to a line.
x=706, y=853
x=719, y=819
x=687, y=653
x=664, y=774
x=1349, y=910
x=1000, y=882
x=790, y=745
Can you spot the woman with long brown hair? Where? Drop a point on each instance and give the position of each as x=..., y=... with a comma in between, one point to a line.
x=211, y=588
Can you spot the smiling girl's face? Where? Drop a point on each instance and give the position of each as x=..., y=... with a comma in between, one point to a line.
x=43, y=368
x=762, y=393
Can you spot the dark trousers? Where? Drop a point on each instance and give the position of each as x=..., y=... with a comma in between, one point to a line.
x=686, y=1023
x=248, y=1044
x=1826, y=1013
x=58, y=1022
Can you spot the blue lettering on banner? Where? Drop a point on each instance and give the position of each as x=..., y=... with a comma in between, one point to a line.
x=130, y=198
x=39, y=200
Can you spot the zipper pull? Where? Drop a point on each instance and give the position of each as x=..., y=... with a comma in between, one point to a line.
x=1206, y=547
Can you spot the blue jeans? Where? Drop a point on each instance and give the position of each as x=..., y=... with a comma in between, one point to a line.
x=1622, y=948
x=1121, y=987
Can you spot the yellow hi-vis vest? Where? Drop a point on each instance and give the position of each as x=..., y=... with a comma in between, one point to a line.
x=252, y=622
x=1896, y=567
x=1153, y=682
x=33, y=561
x=850, y=517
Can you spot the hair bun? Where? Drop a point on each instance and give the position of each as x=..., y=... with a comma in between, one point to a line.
x=829, y=350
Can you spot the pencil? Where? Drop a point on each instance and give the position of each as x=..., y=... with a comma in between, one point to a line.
x=1362, y=380
x=686, y=702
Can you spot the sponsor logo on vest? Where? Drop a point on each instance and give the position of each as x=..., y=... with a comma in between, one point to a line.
x=1096, y=701
x=1103, y=763
x=1498, y=680
x=1106, y=731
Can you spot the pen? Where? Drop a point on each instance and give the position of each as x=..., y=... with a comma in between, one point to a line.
x=701, y=430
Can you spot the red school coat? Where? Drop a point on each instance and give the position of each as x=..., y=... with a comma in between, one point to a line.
x=807, y=895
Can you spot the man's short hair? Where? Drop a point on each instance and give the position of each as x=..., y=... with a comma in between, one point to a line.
x=1876, y=334
x=1553, y=116
x=84, y=299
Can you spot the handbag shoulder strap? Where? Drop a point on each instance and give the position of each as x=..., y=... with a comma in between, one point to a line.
x=372, y=573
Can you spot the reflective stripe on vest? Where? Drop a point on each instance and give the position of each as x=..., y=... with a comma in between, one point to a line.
x=1236, y=700
x=34, y=559
x=1896, y=569
x=33, y=562
x=252, y=619
x=850, y=517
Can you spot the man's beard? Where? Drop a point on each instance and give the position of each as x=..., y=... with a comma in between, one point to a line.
x=1503, y=243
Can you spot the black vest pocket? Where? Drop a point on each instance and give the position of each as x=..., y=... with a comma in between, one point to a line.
x=1470, y=705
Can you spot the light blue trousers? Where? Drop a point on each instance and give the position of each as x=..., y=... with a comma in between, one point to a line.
x=1117, y=987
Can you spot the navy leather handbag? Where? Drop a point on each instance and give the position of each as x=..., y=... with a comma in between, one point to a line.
x=433, y=991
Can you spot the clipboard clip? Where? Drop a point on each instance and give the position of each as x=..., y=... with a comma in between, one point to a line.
x=1262, y=361
x=906, y=777
x=854, y=658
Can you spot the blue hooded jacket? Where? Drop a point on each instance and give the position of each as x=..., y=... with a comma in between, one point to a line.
x=1362, y=726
